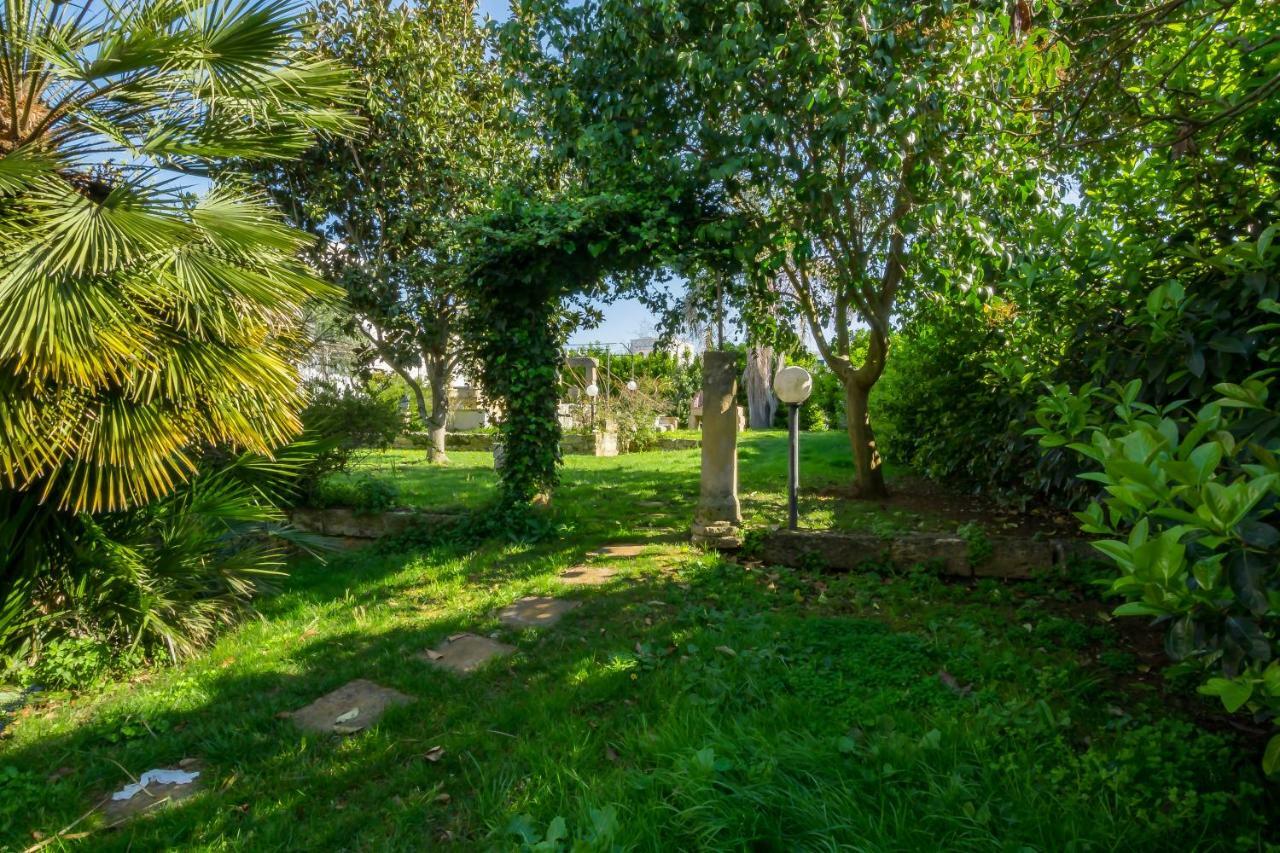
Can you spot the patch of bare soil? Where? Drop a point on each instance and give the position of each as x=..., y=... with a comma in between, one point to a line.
x=934, y=502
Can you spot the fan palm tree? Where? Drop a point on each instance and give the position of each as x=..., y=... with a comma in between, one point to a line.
x=138, y=323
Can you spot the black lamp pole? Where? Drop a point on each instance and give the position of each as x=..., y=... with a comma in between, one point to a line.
x=793, y=466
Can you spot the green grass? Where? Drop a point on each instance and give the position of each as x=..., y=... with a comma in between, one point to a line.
x=692, y=704
x=670, y=477
x=467, y=481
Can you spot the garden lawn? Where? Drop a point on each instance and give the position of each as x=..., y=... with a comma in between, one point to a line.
x=671, y=477
x=691, y=702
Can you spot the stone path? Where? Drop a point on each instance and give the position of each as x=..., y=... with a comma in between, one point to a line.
x=535, y=612
x=359, y=704
x=146, y=793
x=352, y=707
x=587, y=575
x=618, y=551
x=464, y=653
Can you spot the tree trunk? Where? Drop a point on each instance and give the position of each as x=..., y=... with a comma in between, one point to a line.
x=438, y=376
x=761, y=404
x=415, y=387
x=866, y=456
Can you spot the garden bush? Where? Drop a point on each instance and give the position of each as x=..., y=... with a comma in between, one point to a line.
x=363, y=494
x=673, y=381
x=956, y=400
x=1192, y=497
x=635, y=412
x=158, y=581
x=344, y=420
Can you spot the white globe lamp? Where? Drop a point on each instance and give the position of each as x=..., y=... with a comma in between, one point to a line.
x=793, y=385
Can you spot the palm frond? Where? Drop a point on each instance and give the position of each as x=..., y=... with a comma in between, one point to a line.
x=137, y=328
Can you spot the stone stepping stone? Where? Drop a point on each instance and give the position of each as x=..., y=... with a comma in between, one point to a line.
x=535, y=612
x=352, y=707
x=587, y=575
x=153, y=790
x=619, y=551
x=464, y=653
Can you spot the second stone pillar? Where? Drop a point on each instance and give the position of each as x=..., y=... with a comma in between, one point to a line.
x=717, y=521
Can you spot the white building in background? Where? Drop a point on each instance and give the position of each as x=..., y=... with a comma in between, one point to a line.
x=683, y=350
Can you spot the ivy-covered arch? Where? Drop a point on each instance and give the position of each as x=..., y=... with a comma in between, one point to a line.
x=525, y=259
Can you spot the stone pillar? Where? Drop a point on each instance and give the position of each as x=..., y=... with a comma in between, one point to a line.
x=584, y=367
x=717, y=520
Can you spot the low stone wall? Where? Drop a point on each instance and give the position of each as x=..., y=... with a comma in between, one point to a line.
x=678, y=444
x=338, y=521
x=482, y=441
x=589, y=444
x=1011, y=556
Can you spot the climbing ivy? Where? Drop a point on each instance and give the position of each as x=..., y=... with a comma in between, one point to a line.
x=528, y=259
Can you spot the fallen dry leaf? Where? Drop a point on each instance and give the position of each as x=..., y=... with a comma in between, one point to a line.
x=432, y=654
x=443, y=799
x=726, y=650
x=434, y=754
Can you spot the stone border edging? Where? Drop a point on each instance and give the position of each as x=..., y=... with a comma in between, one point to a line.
x=678, y=444
x=340, y=521
x=1011, y=556
x=572, y=443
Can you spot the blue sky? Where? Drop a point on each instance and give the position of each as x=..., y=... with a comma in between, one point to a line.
x=499, y=9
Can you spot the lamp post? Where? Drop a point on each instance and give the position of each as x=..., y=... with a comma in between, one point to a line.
x=793, y=386
x=593, y=391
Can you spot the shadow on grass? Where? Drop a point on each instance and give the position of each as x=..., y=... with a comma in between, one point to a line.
x=263, y=776
x=712, y=713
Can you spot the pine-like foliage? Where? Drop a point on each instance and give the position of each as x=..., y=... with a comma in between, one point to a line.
x=138, y=324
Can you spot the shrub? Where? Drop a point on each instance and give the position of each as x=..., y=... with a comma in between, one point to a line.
x=83, y=593
x=364, y=494
x=69, y=662
x=813, y=418
x=673, y=384
x=343, y=420
x=1192, y=499
x=953, y=406
x=635, y=412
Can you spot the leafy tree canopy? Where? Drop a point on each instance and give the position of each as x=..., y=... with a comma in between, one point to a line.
x=852, y=141
x=387, y=205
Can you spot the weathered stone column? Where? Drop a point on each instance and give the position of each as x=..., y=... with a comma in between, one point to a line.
x=717, y=520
